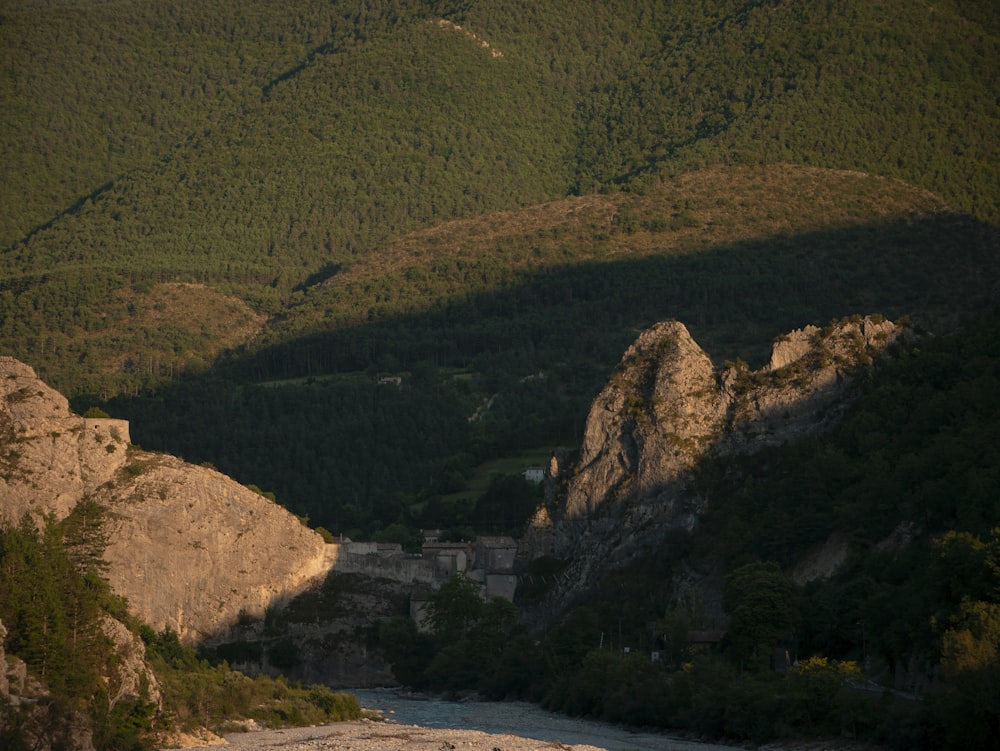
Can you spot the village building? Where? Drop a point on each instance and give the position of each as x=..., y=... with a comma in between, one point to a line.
x=534, y=474
x=449, y=558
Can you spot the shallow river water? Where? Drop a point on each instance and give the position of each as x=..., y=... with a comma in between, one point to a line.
x=520, y=718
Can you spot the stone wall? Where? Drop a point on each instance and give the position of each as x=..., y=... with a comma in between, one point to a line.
x=403, y=569
x=108, y=429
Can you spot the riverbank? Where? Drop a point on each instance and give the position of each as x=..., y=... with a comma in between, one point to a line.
x=558, y=733
x=522, y=719
x=369, y=735
x=406, y=723
x=430, y=724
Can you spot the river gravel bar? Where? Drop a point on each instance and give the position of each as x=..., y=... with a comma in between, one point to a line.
x=387, y=736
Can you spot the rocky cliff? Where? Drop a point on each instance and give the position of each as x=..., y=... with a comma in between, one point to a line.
x=190, y=548
x=50, y=457
x=667, y=408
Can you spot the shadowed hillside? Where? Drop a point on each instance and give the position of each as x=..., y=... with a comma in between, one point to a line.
x=535, y=337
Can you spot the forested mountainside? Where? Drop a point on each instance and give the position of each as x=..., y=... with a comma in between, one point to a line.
x=375, y=257
x=270, y=194
x=335, y=102
x=260, y=149
x=503, y=328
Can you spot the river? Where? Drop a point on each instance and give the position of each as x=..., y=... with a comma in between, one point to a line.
x=520, y=718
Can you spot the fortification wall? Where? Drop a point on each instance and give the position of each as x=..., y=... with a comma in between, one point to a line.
x=401, y=569
x=108, y=429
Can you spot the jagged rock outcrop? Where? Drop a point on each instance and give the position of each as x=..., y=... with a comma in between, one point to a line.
x=666, y=409
x=50, y=457
x=129, y=677
x=659, y=412
x=189, y=547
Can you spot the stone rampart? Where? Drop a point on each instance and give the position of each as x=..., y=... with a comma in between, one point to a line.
x=108, y=428
x=402, y=569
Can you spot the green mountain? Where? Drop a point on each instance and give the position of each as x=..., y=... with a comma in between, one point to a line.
x=227, y=221
x=466, y=194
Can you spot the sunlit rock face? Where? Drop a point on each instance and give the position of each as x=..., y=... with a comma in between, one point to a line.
x=190, y=548
x=50, y=457
x=667, y=408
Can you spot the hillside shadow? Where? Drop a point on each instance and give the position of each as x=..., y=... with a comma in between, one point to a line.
x=346, y=451
x=735, y=299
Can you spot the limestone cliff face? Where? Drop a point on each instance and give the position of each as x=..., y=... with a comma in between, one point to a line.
x=667, y=408
x=192, y=548
x=189, y=547
x=50, y=457
x=649, y=423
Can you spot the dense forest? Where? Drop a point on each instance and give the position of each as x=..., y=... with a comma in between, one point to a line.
x=262, y=151
x=910, y=481
x=310, y=422
x=354, y=252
